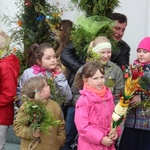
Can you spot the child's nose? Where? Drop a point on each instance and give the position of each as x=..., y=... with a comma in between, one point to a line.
x=105, y=55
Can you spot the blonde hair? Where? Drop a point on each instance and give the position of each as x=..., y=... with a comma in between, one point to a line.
x=98, y=40
x=4, y=41
x=33, y=86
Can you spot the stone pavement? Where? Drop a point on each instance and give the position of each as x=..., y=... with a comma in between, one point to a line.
x=13, y=142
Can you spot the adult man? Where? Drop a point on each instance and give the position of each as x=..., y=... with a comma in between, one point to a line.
x=122, y=54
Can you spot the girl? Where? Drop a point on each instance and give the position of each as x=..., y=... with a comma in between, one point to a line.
x=42, y=59
x=113, y=74
x=136, y=134
x=36, y=88
x=94, y=109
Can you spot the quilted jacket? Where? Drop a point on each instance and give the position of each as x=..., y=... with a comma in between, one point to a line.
x=93, y=119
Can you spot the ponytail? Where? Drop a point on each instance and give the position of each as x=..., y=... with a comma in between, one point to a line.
x=79, y=81
x=32, y=54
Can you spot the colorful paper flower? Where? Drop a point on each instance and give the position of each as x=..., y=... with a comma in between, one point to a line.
x=132, y=75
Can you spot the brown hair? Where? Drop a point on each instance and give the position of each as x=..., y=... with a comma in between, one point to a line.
x=67, y=26
x=121, y=18
x=89, y=69
x=36, y=51
x=33, y=86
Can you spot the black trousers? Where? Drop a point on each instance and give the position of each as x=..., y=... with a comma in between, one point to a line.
x=135, y=139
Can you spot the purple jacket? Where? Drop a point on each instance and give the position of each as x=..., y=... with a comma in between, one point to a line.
x=93, y=119
x=60, y=81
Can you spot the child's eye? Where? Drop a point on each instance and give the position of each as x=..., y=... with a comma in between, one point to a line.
x=102, y=77
x=95, y=78
x=145, y=51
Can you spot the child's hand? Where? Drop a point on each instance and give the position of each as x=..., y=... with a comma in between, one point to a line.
x=106, y=141
x=113, y=135
x=36, y=134
x=56, y=71
x=135, y=100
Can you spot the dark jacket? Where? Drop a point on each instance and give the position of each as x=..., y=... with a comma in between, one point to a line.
x=71, y=61
x=122, y=55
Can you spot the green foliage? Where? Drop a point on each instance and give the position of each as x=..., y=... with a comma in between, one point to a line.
x=145, y=83
x=117, y=123
x=98, y=11
x=55, y=93
x=96, y=7
x=35, y=22
x=80, y=38
x=38, y=118
x=87, y=29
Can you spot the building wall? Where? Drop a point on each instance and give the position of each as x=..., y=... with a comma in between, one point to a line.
x=137, y=11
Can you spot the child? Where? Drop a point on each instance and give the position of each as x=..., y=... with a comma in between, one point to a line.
x=113, y=74
x=36, y=88
x=42, y=59
x=94, y=108
x=9, y=71
x=136, y=134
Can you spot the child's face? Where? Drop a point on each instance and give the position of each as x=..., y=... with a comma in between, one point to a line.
x=96, y=81
x=104, y=55
x=143, y=55
x=46, y=92
x=48, y=60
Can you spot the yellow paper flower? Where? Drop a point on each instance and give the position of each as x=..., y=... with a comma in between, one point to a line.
x=132, y=77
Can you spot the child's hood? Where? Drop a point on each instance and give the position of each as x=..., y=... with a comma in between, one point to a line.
x=13, y=61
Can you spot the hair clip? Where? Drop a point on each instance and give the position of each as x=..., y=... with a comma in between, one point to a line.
x=35, y=91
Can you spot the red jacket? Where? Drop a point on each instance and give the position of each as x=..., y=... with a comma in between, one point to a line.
x=9, y=71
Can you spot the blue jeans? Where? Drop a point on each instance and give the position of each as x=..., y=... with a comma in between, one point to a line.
x=71, y=130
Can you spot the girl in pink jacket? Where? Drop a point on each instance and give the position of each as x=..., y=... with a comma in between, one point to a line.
x=94, y=110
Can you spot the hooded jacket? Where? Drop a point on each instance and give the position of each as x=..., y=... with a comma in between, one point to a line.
x=93, y=119
x=112, y=74
x=60, y=80
x=9, y=71
x=51, y=141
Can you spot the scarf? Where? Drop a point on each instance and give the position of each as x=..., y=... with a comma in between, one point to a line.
x=101, y=93
x=37, y=69
x=140, y=63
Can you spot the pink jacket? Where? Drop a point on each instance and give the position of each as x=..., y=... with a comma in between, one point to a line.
x=93, y=119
